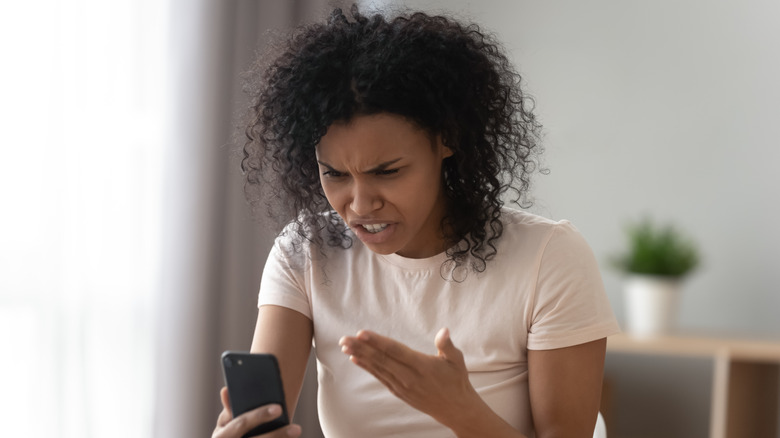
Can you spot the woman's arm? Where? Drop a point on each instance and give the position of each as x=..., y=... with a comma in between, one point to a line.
x=565, y=389
x=286, y=334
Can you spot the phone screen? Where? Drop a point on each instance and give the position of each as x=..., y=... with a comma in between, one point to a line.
x=253, y=380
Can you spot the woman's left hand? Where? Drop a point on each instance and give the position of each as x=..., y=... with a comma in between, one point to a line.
x=437, y=385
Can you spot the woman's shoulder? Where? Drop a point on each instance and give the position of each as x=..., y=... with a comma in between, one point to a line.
x=526, y=229
x=511, y=217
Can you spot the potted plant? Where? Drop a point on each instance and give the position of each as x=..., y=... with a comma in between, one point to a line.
x=657, y=260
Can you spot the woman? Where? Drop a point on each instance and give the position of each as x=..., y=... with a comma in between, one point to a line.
x=435, y=311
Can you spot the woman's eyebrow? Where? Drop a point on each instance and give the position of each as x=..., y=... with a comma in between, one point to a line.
x=380, y=167
x=326, y=165
x=383, y=166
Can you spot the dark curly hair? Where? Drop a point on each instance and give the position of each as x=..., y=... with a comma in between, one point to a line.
x=450, y=79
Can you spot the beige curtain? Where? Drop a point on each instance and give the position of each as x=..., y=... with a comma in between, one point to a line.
x=214, y=249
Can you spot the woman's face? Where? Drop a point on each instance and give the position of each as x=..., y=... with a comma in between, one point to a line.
x=382, y=174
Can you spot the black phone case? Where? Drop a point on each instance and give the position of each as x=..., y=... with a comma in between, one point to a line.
x=254, y=380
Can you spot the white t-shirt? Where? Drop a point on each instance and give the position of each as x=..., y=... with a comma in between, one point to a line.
x=543, y=290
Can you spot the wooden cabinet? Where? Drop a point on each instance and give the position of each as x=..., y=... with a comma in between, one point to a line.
x=745, y=384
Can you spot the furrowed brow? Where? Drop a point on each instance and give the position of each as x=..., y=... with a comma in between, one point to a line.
x=383, y=166
x=378, y=168
x=326, y=165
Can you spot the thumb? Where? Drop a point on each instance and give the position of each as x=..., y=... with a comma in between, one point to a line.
x=447, y=349
x=223, y=395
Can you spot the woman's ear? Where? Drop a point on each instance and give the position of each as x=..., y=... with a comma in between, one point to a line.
x=446, y=152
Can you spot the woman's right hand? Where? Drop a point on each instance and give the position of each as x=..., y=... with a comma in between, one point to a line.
x=229, y=427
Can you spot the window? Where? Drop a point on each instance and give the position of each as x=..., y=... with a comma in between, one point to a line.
x=81, y=152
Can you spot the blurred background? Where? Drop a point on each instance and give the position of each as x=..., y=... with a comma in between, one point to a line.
x=130, y=259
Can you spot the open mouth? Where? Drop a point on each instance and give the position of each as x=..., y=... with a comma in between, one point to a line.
x=374, y=228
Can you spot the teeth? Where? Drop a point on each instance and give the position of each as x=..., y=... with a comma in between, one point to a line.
x=374, y=228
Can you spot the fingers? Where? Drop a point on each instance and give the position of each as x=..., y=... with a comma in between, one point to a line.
x=397, y=366
x=379, y=348
x=292, y=431
x=443, y=341
x=226, y=415
x=370, y=348
x=447, y=348
x=393, y=363
x=237, y=427
x=389, y=347
x=246, y=422
x=434, y=384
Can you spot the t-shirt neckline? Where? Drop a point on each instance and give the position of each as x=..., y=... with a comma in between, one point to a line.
x=409, y=263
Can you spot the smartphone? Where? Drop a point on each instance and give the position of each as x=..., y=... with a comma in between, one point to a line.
x=254, y=380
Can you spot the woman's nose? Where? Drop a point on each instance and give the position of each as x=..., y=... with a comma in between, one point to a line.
x=365, y=200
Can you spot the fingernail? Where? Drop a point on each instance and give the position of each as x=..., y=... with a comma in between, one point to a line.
x=363, y=336
x=294, y=430
x=274, y=410
x=345, y=349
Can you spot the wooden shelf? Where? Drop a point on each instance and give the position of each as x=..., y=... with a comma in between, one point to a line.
x=746, y=378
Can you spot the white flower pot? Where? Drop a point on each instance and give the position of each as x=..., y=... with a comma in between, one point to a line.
x=651, y=305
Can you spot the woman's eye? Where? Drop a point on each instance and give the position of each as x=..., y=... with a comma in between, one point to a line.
x=386, y=172
x=332, y=173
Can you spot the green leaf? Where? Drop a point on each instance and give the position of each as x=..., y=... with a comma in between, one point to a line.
x=657, y=250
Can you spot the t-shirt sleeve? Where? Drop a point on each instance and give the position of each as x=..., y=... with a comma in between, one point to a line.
x=283, y=282
x=570, y=304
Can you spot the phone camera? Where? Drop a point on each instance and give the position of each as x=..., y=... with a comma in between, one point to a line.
x=228, y=362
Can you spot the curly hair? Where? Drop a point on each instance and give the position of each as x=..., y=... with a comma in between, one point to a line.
x=450, y=79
